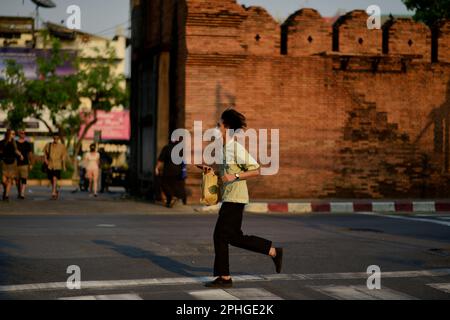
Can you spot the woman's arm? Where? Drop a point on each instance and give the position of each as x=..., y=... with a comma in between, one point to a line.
x=242, y=176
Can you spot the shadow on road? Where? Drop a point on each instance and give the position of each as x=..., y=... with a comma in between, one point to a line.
x=166, y=263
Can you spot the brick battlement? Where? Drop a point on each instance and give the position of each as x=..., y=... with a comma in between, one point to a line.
x=306, y=32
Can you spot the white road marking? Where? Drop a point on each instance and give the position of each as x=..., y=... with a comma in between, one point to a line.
x=383, y=206
x=106, y=297
x=253, y=294
x=424, y=207
x=106, y=225
x=435, y=221
x=234, y=294
x=361, y=293
x=445, y=287
x=200, y=280
x=212, y=294
x=341, y=207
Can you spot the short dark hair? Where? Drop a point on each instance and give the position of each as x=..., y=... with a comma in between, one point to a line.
x=233, y=119
x=92, y=147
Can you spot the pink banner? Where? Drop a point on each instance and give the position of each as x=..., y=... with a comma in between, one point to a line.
x=113, y=126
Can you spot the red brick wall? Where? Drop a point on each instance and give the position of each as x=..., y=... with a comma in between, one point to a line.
x=444, y=43
x=352, y=35
x=404, y=36
x=307, y=33
x=345, y=131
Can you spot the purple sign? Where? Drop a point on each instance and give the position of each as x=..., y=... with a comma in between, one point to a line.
x=28, y=59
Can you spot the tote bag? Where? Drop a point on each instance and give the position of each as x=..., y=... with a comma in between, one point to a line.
x=210, y=189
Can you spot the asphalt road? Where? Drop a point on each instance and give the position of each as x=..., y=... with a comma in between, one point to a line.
x=161, y=256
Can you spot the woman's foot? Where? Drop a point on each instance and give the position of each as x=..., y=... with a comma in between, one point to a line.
x=220, y=283
x=277, y=258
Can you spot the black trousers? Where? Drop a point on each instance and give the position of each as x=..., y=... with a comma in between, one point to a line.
x=228, y=231
x=173, y=187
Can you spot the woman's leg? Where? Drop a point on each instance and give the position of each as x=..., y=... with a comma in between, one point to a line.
x=8, y=186
x=95, y=181
x=54, y=186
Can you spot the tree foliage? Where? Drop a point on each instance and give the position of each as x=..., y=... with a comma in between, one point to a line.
x=56, y=100
x=431, y=12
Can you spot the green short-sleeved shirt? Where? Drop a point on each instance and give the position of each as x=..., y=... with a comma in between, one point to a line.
x=236, y=160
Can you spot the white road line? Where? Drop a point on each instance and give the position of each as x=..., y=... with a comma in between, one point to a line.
x=106, y=225
x=106, y=297
x=212, y=294
x=435, y=221
x=234, y=294
x=361, y=293
x=253, y=294
x=445, y=287
x=200, y=280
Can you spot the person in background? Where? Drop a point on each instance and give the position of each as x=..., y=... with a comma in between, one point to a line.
x=172, y=180
x=55, y=155
x=9, y=153
x=92, y=165
x=106, y=174
x=23, y=166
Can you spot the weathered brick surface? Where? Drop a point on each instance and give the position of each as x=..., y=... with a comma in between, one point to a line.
x=352, y=123
x=306, y=32
x=351, y=34
x=404, y=36
x=444, y=43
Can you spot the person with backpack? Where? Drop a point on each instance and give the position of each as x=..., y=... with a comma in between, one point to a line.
x=9, y=155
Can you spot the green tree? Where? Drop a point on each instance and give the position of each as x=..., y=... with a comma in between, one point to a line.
x=102, y=86
x=51, y=94
x=431, y=12
x=13, y=100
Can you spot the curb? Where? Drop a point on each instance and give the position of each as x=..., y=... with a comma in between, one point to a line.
x=343, y=207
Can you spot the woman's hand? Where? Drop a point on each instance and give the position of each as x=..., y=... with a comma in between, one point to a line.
x=206, y=169
x=228, y=178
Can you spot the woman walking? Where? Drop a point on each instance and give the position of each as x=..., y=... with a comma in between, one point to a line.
x=9, y=152
x=92, y=165
x=238, y=166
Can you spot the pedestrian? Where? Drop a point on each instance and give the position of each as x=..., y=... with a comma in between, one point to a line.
x=106, y=170
x=55, y=155
x=9, y=153
x=92, y=165
x=172, y=176
x=23, y=166
x=237, y=166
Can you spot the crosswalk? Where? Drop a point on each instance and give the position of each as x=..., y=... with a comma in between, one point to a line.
x=336, y=292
